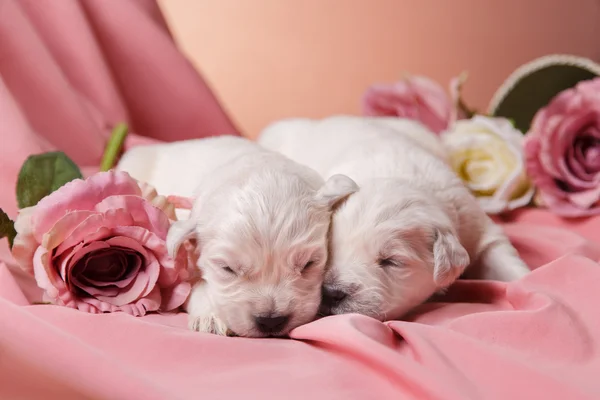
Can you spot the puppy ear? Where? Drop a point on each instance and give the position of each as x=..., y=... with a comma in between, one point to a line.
x=178, y=233
x=335, y=189
x=449, y=258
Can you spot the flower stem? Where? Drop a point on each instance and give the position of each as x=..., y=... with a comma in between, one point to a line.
x=113, y=147
x=469, y=113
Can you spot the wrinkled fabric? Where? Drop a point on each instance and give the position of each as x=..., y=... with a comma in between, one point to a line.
x=64, y=85
x=71, y=70
x=536, y=338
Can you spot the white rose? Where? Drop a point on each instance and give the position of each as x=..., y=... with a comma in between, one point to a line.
x=487, y=154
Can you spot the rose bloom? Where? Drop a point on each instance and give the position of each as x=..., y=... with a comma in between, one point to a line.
x=418, y=98
x=486, y=153
x=98, y=245
x=562, y=151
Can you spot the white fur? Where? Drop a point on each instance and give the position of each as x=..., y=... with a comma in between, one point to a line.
x=258, y=219
x=412, y=228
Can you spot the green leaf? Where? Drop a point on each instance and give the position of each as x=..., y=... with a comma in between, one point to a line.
x=114, y=146
x=42, y=174
x=7, y=228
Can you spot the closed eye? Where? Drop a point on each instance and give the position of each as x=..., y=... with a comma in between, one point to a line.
x=229, y=270
x=308, y=266
x=389, y=263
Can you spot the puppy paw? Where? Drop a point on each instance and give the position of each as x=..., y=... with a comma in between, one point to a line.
x=210, y=324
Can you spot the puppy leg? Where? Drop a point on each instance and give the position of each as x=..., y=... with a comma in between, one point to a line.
x=201, y=314
x=497, y=258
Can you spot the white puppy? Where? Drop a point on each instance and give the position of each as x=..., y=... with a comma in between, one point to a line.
x=412, y=228
x=260, y=222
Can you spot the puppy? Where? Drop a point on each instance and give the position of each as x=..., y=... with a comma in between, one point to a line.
x=260, y=223
x=412, y=228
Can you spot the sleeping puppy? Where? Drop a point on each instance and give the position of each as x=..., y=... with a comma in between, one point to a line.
x=260, y=223
x=412, y=228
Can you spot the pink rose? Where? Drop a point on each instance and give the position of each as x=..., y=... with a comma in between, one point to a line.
x=562, y=151
x=98, y=245
x=416, y=97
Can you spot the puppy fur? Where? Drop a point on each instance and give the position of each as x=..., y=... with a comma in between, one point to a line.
x=260, y=223
x=412, y=228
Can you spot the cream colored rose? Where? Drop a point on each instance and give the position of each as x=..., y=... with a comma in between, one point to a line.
x=161, y=202
x=487, y=154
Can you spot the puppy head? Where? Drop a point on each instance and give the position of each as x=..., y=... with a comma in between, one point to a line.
x=392, y=247
x=263, y=248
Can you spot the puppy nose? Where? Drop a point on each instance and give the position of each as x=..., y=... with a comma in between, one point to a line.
x=332, y=297
x=271, y=324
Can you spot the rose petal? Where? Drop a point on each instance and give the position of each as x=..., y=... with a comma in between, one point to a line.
x=586, y=198
x=181, y=202
x=575, y=163
x=415, y=97
x=131, y=259
x=64, y=228
x=124, y=289
x=565, y=208
x=95, y=227
x=95, y=269
x=138, y=308
x=144, y=214
x=161, y=202
x=523, y=200
x=46, y=277
x=142, y=285
x=109, y=288
x=435, y=110
x=592, y=159
x=24, y=244
x=587, y=149
x=139, y=286
x=384, y=101
x=67, y=263
x=571, y=127
x=546, y=161
x=545, y=183
x=169, y=271
x=174, y=296
x=80, y=195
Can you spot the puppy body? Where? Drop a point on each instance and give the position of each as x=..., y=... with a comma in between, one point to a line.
x=260, y=222
x=411, y=229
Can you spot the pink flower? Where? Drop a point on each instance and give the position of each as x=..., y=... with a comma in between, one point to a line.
x=416, y=97
x=562, y=151
x=98, y=245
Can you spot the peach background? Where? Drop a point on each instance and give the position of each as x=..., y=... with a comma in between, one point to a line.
x=269, y=59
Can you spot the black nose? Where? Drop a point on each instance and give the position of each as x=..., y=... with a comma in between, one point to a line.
x=271, y=324
x=332, y=297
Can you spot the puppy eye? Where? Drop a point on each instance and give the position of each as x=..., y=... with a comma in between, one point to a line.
x=388, y=263
x=308, y=265
x=228, y=270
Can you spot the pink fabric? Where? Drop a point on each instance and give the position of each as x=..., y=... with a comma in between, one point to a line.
x=536, y=338
x=70, y=70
